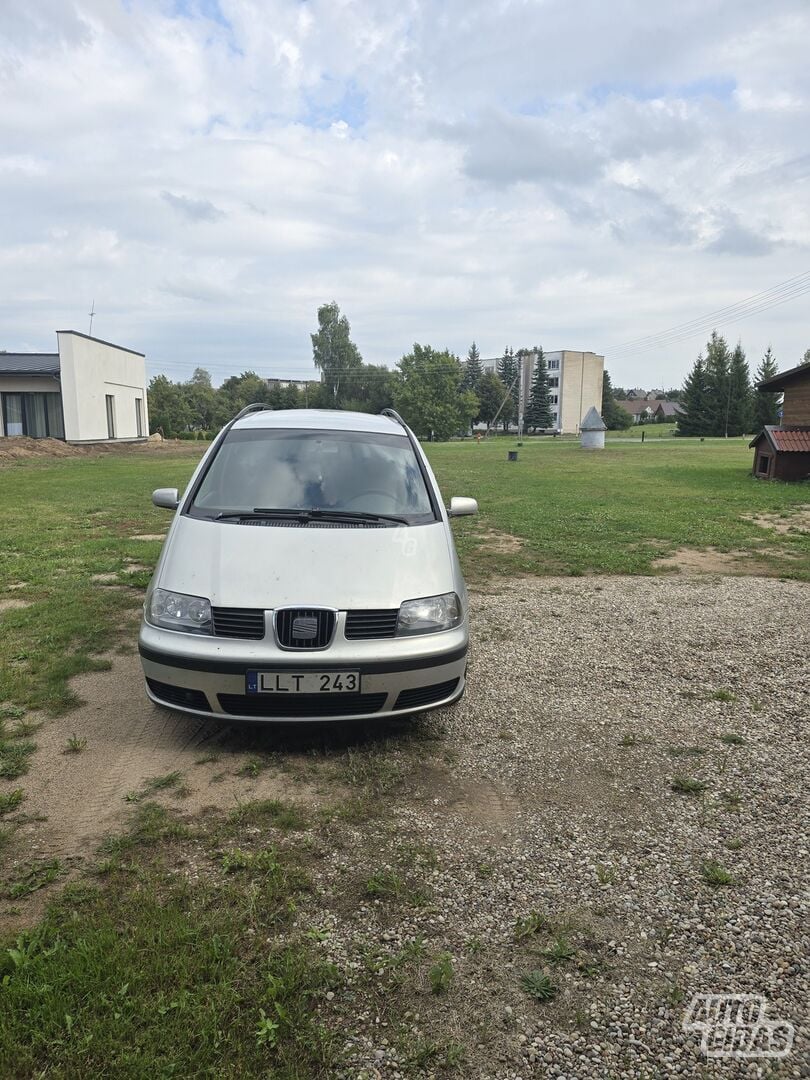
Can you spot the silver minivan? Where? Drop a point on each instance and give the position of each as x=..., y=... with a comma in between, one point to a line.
x=309, y=573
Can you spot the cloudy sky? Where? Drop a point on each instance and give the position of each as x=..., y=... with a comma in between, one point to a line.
x=575, y=173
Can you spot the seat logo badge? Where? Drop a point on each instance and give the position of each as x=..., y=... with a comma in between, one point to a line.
x=304, y=628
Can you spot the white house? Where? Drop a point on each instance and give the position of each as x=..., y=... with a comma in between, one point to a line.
x=88, y=391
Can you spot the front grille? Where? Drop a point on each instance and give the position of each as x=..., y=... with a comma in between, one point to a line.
x=376, y=623
x=425, y=695
x=297, y=705
x=238, y=622
x=179, y=695
x=304, y=628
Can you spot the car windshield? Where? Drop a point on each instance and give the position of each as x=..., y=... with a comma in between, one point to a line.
x=327, y=471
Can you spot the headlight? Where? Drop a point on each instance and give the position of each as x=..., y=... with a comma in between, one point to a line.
x=429, y=615
x=176, y=611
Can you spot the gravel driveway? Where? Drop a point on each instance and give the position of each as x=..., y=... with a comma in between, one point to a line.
x=619, y=804
x=552, y=838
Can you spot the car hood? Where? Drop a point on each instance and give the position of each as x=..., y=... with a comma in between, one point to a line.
x=268, y=566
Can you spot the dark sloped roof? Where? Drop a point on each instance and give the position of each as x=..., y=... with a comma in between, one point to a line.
x=637, y=406
x=778, y=382
x=792, y=440
x=29, y=363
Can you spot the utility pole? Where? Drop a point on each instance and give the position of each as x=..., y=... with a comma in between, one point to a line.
x=521, y=395
x=91, y=313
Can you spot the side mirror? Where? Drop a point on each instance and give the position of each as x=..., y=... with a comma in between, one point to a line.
x=168, y=498
x=460, y=507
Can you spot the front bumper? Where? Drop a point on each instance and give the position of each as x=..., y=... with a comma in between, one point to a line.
x=208, y=676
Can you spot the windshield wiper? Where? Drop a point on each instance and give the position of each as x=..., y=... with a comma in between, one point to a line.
x=325, y=514
x=261, y=512
x=356, y=515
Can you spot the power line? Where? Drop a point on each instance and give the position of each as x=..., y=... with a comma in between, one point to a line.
x=777, y=295
x=719, y=311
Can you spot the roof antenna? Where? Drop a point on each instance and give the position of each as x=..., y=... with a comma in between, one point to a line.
x=92, y=313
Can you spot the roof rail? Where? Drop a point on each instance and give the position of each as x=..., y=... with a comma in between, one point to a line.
x=256, y=406
x=394, y=416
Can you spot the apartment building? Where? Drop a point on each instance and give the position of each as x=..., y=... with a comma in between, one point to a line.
x=575, y=384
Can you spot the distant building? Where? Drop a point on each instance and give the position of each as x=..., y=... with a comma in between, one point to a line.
x=575, y=384
x=782, y=452
x=87, y=391
x=644, y=409
x=282, y=384
x=667, y=410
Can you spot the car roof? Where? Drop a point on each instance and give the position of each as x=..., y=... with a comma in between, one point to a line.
x=320, y=420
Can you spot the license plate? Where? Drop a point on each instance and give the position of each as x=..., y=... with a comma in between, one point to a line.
x=303, y=682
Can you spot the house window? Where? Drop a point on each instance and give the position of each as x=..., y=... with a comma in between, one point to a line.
x=13, y=414
x=554, y=382
x=554, y=365
x=37, y=415
x=110, y=400
x=763, y=461
x=553, y=398
x=139, y=417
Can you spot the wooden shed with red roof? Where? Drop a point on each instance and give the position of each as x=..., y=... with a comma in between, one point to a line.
x=783, y=452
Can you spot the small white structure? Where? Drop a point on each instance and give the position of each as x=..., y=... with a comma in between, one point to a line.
x=592, y=430
x=88, y=391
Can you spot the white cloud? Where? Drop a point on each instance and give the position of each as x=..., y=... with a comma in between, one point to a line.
x=515, y=173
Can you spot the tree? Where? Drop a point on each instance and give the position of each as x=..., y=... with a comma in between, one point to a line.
x=201, y=377
x=508, y=369
x=371, y=388
x=168, y=408
x=805, y=360
x=491, y=393
x=430, y=396
x=334, y=353
x=538, y=412
x=718, y=373
x=472, y=369
x=201, y=399
x=766, y=406
x=694, y=418
x=616, y=418
x=739, y=407
x=237, y=392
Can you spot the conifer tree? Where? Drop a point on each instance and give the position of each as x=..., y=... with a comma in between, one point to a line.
x=739, y=406
x=718, y=379
x=538, y=411
x=472, y=369
x=694, y=418
x=766, y=406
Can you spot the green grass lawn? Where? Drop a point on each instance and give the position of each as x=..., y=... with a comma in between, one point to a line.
x=651, y=431
x=617, y=510
x=66, y=520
